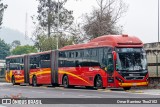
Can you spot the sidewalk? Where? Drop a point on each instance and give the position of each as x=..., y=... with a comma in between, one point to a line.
x=2, y=79
x=152, y=91
x=5, y=83
x=145, y=91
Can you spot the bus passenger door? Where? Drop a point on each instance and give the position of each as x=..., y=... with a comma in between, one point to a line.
x=110, y=70
x=26, y=69
x=8, y=75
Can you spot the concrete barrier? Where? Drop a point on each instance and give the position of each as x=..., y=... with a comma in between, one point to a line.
x=2, y=79
x=154, y=82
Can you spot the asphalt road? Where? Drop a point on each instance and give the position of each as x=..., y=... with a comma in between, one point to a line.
x=8, y=90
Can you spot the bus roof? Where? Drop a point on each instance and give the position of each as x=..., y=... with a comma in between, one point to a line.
x=39, y=53
x=30, y=54
x=15, y=56
x=108, y=40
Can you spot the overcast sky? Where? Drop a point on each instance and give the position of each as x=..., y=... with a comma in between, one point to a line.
x=140, y=19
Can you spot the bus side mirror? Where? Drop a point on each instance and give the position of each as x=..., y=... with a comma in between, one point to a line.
x=114, y=55
x=77, y=63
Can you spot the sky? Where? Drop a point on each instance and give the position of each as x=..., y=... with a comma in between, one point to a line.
x=140, y=20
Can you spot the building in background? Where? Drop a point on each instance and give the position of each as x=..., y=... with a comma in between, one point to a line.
x=153, y=58
x=2, y=68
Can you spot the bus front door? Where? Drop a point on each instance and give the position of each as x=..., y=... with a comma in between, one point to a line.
x=110, y=70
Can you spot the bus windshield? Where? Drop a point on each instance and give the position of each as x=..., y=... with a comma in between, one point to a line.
x=131, y=59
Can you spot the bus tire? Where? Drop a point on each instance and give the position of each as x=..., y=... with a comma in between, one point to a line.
x=98, y=82
x=65, y=81
x=34, y=81
x=89, y=87
x=55, y=85
x=126, y=88
x=13, y=80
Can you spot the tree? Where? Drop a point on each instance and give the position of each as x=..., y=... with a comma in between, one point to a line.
x=2, y=8
x=77, y=33
x=48, y=16
x=44, y=43
x=103, y=20
x=47, y=43
x=4, y=49
x=16, y=43
x=48, y=23
x=19, y=50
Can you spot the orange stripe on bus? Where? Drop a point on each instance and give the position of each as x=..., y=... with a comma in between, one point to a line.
x=64, y=72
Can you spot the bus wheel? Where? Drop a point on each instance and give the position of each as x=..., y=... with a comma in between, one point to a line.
x=13, y=80
x=98, y=82
x=34, y=81
x=126, y=88
x=89, y=87
x=55, y=85
x=65, y=82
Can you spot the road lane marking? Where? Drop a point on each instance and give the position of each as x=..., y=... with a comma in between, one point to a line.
x=60, y=88
x=135, y=91
x=106, y=91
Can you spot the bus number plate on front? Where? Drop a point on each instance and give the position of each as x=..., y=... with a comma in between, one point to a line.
x=134, y=74
x=134, y=84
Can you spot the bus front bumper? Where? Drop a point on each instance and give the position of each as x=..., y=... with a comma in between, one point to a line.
x=133, y=84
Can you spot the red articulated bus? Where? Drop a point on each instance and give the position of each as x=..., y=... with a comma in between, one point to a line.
x=107, y=61
x=36, y=68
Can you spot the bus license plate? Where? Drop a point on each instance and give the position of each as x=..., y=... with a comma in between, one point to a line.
x=134, y=84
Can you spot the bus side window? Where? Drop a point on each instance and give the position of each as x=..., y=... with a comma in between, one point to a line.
x=86, y=58
x=61, y=60
x=45, y=61
x=94, y=56
x=34, y=62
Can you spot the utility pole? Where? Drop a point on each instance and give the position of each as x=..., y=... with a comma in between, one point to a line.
x=49, y=20
x=26, y=26
x=58, y=26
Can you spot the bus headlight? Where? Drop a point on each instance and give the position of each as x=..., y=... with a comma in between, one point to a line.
x=146, y=79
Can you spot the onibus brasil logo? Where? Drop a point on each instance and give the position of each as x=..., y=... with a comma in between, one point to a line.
x=19, y=99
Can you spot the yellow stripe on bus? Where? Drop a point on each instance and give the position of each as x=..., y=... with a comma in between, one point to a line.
x=133, y=84
x=39, y=73
x=68, y=73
